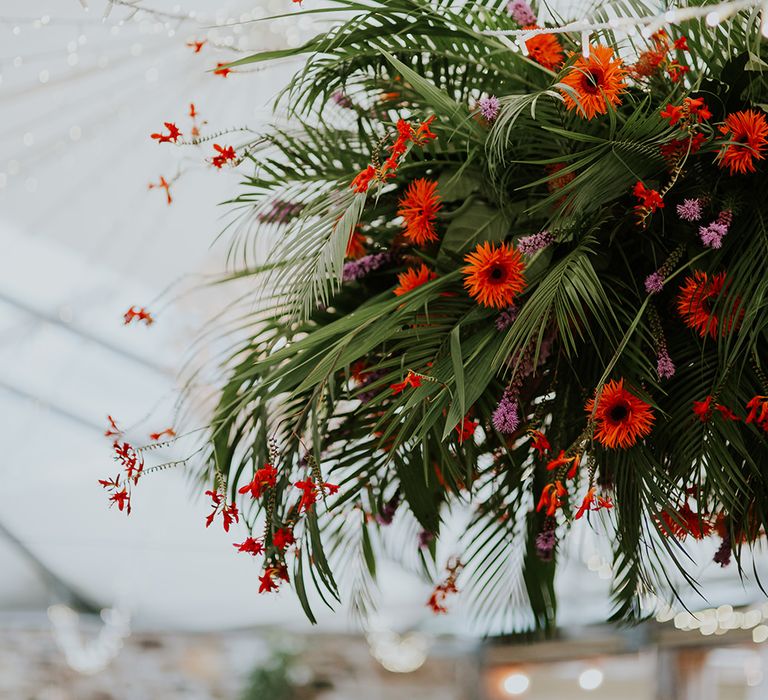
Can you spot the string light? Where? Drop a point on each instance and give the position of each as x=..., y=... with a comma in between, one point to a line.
x=516, y=683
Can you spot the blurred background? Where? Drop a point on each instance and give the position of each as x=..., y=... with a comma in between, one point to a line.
x=96, y=606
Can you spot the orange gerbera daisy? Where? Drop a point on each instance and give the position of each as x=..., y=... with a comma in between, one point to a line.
x=545, y=49
x=419, y=207
x=621, y=419
x=413, y=277
x=747, y=132
x=696, y=300
x=494, y=275
x=356, y=245
x=598, y=81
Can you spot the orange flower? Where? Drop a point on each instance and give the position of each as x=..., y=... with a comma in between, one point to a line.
x=545, y=49
x=540, y=442
x=593, y=502
x=747, y=132
x=758, y=411
x=494, y=275
x=621, y=418
x=419, y=208
x=412, y=278
x=598, y=81
x=684, y=522
x=696, y=300
x=553, y=496
x=562, y=460
x=356, y=245
x=412, y=380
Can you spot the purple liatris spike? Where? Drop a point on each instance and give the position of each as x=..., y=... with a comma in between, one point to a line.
x=654, y=283
x=505, y=417
x=342, y=100
x=388, y=510
x=528, y=245
x=489, y=107
x=545, y=544
x=665, y=368
x=689, y=210
x=506, y=318
x=357, y=269
x=521, y=12
x=426, y=538
x=712, y=235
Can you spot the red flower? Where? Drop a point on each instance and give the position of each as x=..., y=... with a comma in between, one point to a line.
x=131, y=461
x=310, y=492
x=411, y=380
x=650, y=200
x=681, y=44
x=229, y=512
x=196, y=45
x=355, y=245
x=552, y=497
x=540, y=442
x=593, y=502
x=746, y=138
x=266, y=582
x=122, y=499
x=561, y=461
x=419, y=207
x=424, y=132
x=170, y=432
x=138, y=314
x=685, y=522
x=466, y=429
x=676, y=71
x=758, y=412
x=412, y=278
x=697, y=108
x=703, y=409
x=698, y=295
x=163, y=184
x=447, y=587
x=225, y=155
x=362, y=180
x=672, y=113
x=250, y=545
x=112, y=430
x=171, y=137
x=283, y=538
x=221, y=70
x=263, y=479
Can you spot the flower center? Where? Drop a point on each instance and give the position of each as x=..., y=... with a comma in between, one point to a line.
x=619, y=412
x=497, y=274
x=592, y=81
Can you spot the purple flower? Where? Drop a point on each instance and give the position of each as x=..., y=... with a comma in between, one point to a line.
x=489, y=107
x=545, y=544
x=521, y=12
x=342, y=100
x=426, y=538
x=357, y=269
x=723, y=554
x=280, y=212
x=689, y=210
x=506, y=318
x=528, y=245
x=388, y=510
x=712, y=235
x=654, y=283
x=505, y=417
x=665, y=368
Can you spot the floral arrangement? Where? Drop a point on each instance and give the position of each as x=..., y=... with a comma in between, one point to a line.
x=532, y=281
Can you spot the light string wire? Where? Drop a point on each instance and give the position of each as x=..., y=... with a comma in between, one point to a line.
x=712, y=14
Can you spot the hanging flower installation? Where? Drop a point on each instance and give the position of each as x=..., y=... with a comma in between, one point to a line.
x=534, y=280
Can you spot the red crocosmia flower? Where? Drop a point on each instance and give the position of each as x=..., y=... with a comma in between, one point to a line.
x=686, y=522
x=131, y=461
x=466, y=429
x=222, y=70
x=727, y=413
x=676, y=71
x=553, y=496
x=171, y=137
x=540, y=442
x=562, y=461
x=163, y=184
x=650, y=200
x=112, y=430
x=196, y=46
x=283, y=538
x=263, y=479
x=122, y=499
x=110, y=483
x=192, y=110
x=281, y=571
x=593, y=502
x=310, y=492
x=250, y=545
x=746, y=138
x=267, y=583
x=424, y=132
x=411, y=380
x=362, y=180
x=229, y=512
x=139, y=315
x=681, y=44
x=225, y=154
x=697, y=108
x=672, y=113
x=703, y=409
x=758, y=412
x=445, y=588
x=696, y=300
x=168, y=432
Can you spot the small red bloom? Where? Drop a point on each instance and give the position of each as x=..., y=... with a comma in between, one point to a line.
x=758, y=412
x=466, y=429
x=562, y=460
x=229, y=512
x=250, y=545
x=593, y=502
x=362, y=180
x=411, y=380
x=552, y=497
x=171, y=137
x=196, y=46
x=447, y=587
x=697, y=108
x=672, y=113
x=221, y=70
x=540, y=442
x=283, y=538
x=131, y=460
x=703, y=409
x=681, y=44
x=266, y=582
x=310, y=492
x=168, y=432
x=424, y=132
x=650, y=200
x=676, y=71
x=138, y=314
x=112, y=430
x=225, y=154
x=122, y=499
x=686, y=522
x=263, y=479
x=163, y=184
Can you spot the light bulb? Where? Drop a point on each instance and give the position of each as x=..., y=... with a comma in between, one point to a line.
x=590, y=679
x=516, y=683
x=713, y=19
